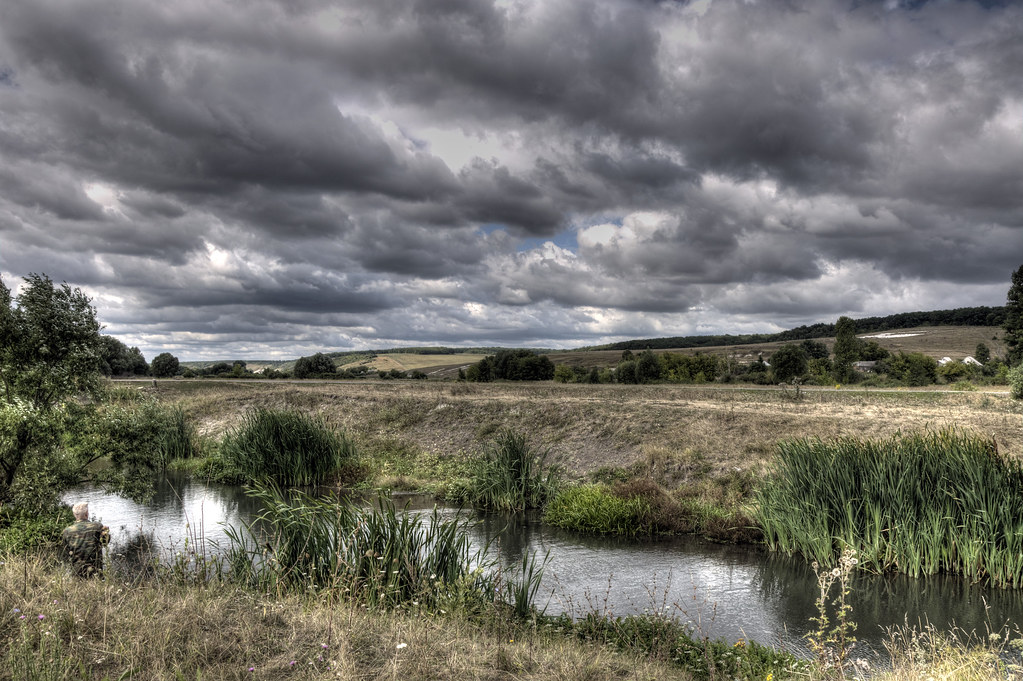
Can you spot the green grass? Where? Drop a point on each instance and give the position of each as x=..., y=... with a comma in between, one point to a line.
x=921, y=504
x=594, y=509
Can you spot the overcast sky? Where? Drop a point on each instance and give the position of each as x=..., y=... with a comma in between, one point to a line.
x=268, y=179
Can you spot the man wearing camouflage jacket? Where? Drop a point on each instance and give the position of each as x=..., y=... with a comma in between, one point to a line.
x=84, y=542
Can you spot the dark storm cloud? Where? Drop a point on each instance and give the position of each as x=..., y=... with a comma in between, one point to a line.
x=339, y=173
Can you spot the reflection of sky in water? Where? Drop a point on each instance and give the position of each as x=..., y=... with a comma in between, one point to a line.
x=723, y=591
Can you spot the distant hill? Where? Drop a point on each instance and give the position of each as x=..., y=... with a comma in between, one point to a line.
x=443, y=361
x=963, y=316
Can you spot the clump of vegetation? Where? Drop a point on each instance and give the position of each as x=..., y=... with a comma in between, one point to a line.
x=1015, y=380
x=377, y=556
x=511, y=474
x=921, y=504
x=286, y=447
x=596, y=510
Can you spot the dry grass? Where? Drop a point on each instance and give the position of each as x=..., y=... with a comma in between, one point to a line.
x=595, y=426
x=104, y=629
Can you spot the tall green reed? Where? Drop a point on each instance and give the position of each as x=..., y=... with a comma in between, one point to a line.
x=512, y=475
x=921, y=504
x=286, y=447
x=379, y=556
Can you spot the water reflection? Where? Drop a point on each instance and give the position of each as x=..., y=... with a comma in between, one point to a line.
x=723, y=591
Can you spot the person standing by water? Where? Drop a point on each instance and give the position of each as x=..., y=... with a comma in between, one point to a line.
x=84, y=541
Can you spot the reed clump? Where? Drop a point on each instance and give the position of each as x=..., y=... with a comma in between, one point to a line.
x=285, y=447
x=379, y=557
x=511, y=474
x=929, y=502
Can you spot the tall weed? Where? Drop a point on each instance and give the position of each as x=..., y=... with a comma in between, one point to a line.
x=921, y=504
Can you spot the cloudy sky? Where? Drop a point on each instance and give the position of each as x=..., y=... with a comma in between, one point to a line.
x=271, y=178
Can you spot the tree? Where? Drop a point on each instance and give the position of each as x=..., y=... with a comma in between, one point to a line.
x=117, y=359
x=789, y=362
x=648, y=367
x=49, y=352
x=814, y=349
x=1013, y=324
x=982, y=354
x=847, y=349
x=164, y=365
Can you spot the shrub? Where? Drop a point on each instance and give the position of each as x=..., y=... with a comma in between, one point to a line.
x=286, y=447
x=1015, y=379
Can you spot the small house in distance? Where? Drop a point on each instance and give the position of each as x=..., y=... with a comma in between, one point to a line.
x=866, y=367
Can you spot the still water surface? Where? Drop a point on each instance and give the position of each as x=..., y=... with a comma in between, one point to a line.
x=723, y=591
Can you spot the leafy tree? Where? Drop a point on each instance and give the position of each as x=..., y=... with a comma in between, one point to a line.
x=563, y=374
x=165, y=365
x=814, y=349
x=315, y=366
x=847, y=349
x=789, y=362
x=913, y=368
x=626, y=372
x=1015, y=380
x=982, y=354
x=117, y=359
x=648, y=368
x=49, y=352
x=1013, y=323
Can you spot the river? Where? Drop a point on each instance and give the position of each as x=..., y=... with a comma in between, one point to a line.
x=721, y=590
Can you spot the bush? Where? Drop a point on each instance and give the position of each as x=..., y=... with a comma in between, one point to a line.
x=1015, y=380
x=21, y=530
x=286, y=447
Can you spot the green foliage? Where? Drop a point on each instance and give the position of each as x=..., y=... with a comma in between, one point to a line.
x=683, y=368
x=814, y=349
x=117, y=359
x=847, y=349
x=563, y=374
x=512, y=365
x=511, y=475
x=912, y=369
x=594, y=509
x=285, y=447
x=1013, y=323
x=135, y=433
x=982, y=354
x=648, y=368
x=165, y=365
x=49, y=352
x=920, y=504
x=1015, y=380
x=957, y=371
x=626, y=372
x=789, y=362
x=378, y=556
x=316, y=366
x=22, y=529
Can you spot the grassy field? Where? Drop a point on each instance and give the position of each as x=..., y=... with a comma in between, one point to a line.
x=674, y=430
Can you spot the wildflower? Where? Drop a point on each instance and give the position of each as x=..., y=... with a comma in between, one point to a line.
x=17, y=610
x=836, y=572
x=323, y=645
x=402, y=645
x=22, y=617
x=252, y=669
x=292, y=663
x=42, y=617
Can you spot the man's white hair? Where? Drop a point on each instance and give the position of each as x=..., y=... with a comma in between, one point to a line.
x=81, y=509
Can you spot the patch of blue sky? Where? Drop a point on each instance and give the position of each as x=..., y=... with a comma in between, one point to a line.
x=565, y=239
